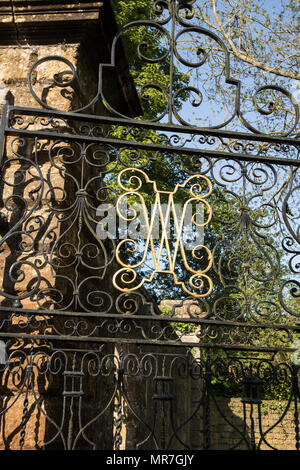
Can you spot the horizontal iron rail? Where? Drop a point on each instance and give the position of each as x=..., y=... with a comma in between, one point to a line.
x=177, y=343
x=155, y=147
x=137, y=341
x=163, y=318
x=283, y=139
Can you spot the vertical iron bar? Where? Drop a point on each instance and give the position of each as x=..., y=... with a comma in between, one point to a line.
x=118, y=406
x=253, y=443
x=24, y=419
x=207, y=441
x=3, y=122
x=296, y=412
x=172, y=46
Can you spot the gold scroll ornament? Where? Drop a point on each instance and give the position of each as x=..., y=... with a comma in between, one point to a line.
x=127, y=274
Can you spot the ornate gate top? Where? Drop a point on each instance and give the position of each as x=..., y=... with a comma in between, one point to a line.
x=172, y=36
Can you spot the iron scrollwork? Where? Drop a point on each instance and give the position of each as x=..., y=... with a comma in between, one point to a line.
x=116, y=326
x=199, y=277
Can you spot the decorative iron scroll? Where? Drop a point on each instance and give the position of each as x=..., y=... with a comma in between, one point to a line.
x=199, y=277
x=240, y=280
x=162, y=419
x=55, y=262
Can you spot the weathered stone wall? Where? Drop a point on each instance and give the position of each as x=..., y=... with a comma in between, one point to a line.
x=16, y=62
x=278, y=428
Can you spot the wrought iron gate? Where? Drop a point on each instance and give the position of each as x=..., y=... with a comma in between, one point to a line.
x=150, y=264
